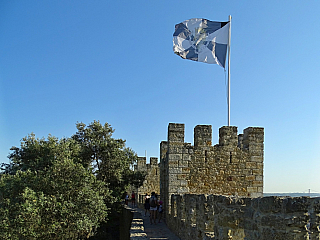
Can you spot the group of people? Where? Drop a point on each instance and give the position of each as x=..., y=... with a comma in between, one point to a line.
x=133, y=199
x=154, y=207
x=151, y=205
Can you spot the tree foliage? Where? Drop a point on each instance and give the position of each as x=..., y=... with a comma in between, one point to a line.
x=60, y=189
x=111, y=159
x=64, y=202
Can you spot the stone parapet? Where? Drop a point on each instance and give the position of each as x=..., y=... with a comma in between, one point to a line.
x=152, y=179
x=176, y=132
x=218, y=217
x=228, y=136
x=202, y=136
x=232, y=167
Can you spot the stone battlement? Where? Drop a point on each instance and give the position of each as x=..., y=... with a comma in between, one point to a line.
x=143, y=166
x=215, y=191
x=152, y=180
x=203, y=216
x=234, y=166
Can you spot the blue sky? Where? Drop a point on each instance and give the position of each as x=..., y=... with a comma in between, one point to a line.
x=63, y=62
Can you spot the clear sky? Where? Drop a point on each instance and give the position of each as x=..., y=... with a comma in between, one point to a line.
x=63, y=62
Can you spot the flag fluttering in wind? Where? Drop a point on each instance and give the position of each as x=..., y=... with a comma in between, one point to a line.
x=202, y=40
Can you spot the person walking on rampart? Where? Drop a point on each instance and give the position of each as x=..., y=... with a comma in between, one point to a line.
x=146, y=204
x=126, y=199
x=160, y=210
x=133, y=199
x=153, y=207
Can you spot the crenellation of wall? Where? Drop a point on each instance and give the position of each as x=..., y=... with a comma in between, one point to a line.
x=153, y=161
x=176, y=133
x=253, y=139
x=176, y=162
x=228, y=137
x=203, y=136
x=215, y=192
x=141, y=164
x=234, y=166
x=152, y=179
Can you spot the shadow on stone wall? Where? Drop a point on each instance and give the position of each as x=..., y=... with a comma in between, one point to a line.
x=220, y=217
x=118, y=225
x=125, y=223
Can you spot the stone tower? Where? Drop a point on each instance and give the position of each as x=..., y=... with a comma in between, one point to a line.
x=232, y=167
x=152, y=180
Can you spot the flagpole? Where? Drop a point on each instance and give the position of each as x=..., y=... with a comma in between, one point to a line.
x=229, y=42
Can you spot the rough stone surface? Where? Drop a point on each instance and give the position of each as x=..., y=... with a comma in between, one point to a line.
x=220, y=217
x=232, y=167
x=215, y=192
x=152, y=180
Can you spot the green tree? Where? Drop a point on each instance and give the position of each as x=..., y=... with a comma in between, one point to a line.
x=93, y=146
x=111, y=159
x=64, y=202
x=40, y=154
x=60, y=189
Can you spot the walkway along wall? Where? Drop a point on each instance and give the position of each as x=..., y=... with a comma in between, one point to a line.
x=215, y=192
x=217, y=217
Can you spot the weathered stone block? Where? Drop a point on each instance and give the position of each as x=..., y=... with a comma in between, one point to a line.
x=260, y=165
x=183, y=163
x=186, y=157
x=181, y=176
x=173, y=164
x=182, y=190
x=256, y=159
x=174, y=157
x=257, y=172
x=252, y=189
x=250, y=178
x=185, y=170
x=183, y=183
x=251, y=165
x=259, y=178
x=172, y=177
x=257, y=183
x=176, y=170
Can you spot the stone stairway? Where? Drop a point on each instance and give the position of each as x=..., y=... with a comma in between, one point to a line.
x=142, y=229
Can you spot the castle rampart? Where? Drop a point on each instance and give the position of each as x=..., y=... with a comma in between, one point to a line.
x=232, y=167
x=215, y=192
x=152, y=180
x=217, y=217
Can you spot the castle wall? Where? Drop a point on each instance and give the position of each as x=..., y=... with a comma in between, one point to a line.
x=232, y=167
x=227, y=168
x=152, y=180
x=228, y=217
x=215, y=192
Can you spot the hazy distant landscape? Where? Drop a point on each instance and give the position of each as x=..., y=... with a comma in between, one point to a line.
x=292, y=194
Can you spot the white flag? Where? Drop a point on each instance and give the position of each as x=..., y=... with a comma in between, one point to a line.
x=202, y=40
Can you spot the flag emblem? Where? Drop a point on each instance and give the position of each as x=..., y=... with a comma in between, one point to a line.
x=202, y=40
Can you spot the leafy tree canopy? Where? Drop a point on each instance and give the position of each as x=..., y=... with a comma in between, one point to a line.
x=60, y=188
x=64, y=202
x=92, y=146
x=111, y=159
